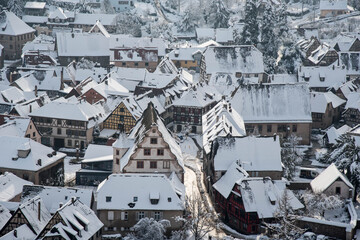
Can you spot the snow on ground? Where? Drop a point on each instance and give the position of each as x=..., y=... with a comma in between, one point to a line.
x=188, y=148
x=70, y=169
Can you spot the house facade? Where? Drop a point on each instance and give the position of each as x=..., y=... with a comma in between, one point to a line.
x=135, y=57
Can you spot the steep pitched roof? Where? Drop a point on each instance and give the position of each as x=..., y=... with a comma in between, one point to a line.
x=320, y=100
x=333, y=5
x=328, y=177
x=10, y=186
x=11, y=25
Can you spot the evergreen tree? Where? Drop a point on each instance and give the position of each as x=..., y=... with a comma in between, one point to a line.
x=250, y=32
x=289, y=156
x=289, y=57
x=127, y=23
x=189, y=22
x=218, y=15
x=148, y=228
x=16, y=6
x=107, y=8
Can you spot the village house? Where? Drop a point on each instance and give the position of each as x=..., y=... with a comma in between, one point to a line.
x=135, y=57
x=75, y=46
x=244, y=62
x=244, y=151
x=332, y=134
x=244, y=202
x=351, y=113
x=11, y=187
x=269, y=109
x=19, y=127
x=220, y=35
x=122, y=6
x=332, y=182
x=325, y=109
x=68, y=123
x=189, y=58
x=149, y=148
x=186, y=112
x=35, y=8
x=96, y=165
x=30, y=213
x=333, y=8
x=31, y=161
x=13, y=35
x=147, y=195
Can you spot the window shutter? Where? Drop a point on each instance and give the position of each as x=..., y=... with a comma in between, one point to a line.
x=122, y=215
x=137, y=216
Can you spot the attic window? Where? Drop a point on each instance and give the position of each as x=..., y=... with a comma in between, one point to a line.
x=322, y=79
x=135, y=199
x=108, y=199
x=154, y=197
x=169, y=199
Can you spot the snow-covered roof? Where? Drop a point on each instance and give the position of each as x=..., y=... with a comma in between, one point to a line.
x=15, y=127
x=262, y=195
x=4, y=216
x=11, y=25
x=53, y=197
x=149, y=118
x=226, y=183
x=110, y=87
x=245, y=152
x=139, y=189
x=11, y=186
x=318, y=54
x=10, y=145
x=166, y=66
x=327, y=177
x=101, y=28
x=60, y=13
x=98, y=153
x=91, y=18
x=208, y=43
x=30, y=210
x=222, y=121
x=78, y=222
x=23, y=232
x=35, y=5
x=200, y=95
x=349, y=87
x=224, y=35
x=25, y=108
x=333, y=134
x=42, y=43
x=353, y=101
x=184, y=54
x=272, y=103
x=333, y=5
x=82, y=44
x=232, y=59
x=320, y=100
x=71, y=110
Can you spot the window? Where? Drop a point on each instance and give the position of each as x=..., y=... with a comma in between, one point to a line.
x=33, y=134
x=108, y=199
x=140, y=164
x=185, y=62
x=11, y=46
x=59, y=131
x=294, y=128
x=160, y=152
x=136, y=64
x=117, y=152
x=157, y=216
x=124, y=216
x=147, y=151
x=166, y=164
x=153, y=164
x=281, y=128
x=59, y=122
x=140, y=215
x=146, y=64
x=338, y=190
x=122, y=118
x=260, y=128
x=110, y=215
x=69, y=143
x=153, y=140
x=122, y=110
x=117, y=161
x=124, y=63
x=135, y=199
x=322, y=79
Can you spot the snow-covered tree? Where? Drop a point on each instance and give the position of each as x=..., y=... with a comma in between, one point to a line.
x=160, y=30
x=345, y=155
x=189, y=21
x=285, y=218
x=198, y=220
x=289, y=155
x=16, y=6
x=218, y=15
x=250, y=32
x=355, y=4
x=316, y=204
x=289, y=56
x=173, y=4
x=106, y=7
x=127, y=23
x=148, y=228
x=85, y=64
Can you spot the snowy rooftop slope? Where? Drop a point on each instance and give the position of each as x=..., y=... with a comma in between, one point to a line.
x=89, y=19
x=15, y=127
x=35, y=5
x=226, y=183
x=318, y=54
x=110, y=87
x=24, y=108
x=353, y=101
x=78, y=222
x=208, y=43
x=98, y=153
x=12, y=25
x=245, y=151
x=349, y=87
x=230, y=59
x=150, y=117
x=82, y=44
x=30, y=210
x=53, y=197
x=328, y=177
x=42, y=42
x=184, y=54
x=158, y=80
x=272, y=103
x=333, y=134
x=4, y=216
x=13, y=95
x=200, y=95
x=222, y=121
x=66, y=109
x=333, y=5
x=329, y=76
x=139, y=189
x=143, y=102
x=23, y=232
x=166, y=66
x=320, y=100
x=262, y=195
x=101, y=28
x=9, y=146
x=11, y=186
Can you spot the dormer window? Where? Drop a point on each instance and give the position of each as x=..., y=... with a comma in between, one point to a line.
x=322, y=79
x=135, y=199
x=153, y=140
x=108, y=199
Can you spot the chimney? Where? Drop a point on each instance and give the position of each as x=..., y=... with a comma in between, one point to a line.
x=36, y=90
x=60, y=205
x=230, y=129
x=73, y=200
x=62, y=79
x=217, y=118
x=10, y=80
x=274, y=137
x=15, y=233
x=30, y=108
x=39, y=210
